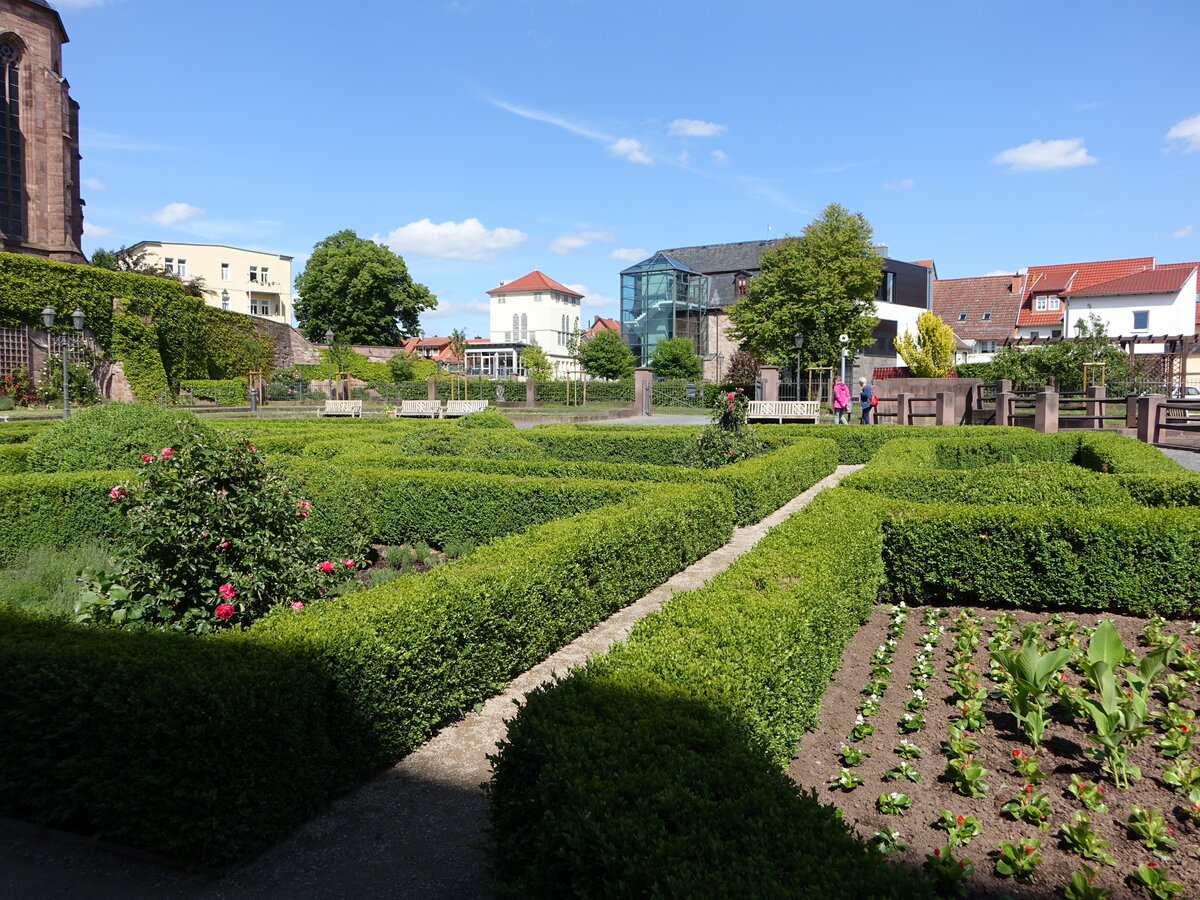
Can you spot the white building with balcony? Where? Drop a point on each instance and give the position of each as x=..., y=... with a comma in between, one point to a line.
x=246, y=281
x=534, y=309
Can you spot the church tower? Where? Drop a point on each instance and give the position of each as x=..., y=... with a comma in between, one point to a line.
x=41, y=213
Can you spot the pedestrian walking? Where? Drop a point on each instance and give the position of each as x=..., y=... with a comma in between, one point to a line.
x=841, y=401
x=867, y=400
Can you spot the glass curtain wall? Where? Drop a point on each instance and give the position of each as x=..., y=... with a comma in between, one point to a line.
x=662, y=298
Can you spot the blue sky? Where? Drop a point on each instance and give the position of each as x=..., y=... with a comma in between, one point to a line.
x=481, y=139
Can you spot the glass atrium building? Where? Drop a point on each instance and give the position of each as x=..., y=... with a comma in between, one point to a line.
x=663, y=298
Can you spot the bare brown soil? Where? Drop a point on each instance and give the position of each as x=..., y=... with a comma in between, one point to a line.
x=1064, y=753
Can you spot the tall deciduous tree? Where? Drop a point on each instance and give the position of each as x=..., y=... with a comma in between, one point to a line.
x=931, y=355
x=675, y=358
x=360, y=289
x=606, y=356
x=822, y=283
x=743, y=367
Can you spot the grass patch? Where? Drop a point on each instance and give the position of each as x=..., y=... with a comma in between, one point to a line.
x=42, y=582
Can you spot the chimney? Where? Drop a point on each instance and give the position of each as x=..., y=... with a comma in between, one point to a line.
x=881, y=250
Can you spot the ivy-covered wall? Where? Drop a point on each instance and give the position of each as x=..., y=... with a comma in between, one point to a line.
x=162, y=335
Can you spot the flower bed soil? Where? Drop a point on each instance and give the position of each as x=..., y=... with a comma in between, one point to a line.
x=1063, y=754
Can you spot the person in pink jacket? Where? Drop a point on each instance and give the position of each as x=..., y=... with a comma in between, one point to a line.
x=841, y=402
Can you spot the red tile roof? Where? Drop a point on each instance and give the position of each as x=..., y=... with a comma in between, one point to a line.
x=599, y=323
x=999, y=295
x=1152, y=281
x=534, y=281
x=1183, y=265
x=1073, y=276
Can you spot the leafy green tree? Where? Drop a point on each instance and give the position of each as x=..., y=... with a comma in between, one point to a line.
x=401, y=368
x=458, y=345
x=105, y=259
x=360, y=289
x=1064, y=360
x=536, y=364
x=606, y=356
x=932, y=354
x=822, y=283
x=675, y=358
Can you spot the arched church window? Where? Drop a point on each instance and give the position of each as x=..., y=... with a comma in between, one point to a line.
x=12, y=144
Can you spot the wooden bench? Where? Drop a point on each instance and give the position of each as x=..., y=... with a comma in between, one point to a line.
x=430, y=409
x=464, y=407
x=781, y=410
x=341, y=408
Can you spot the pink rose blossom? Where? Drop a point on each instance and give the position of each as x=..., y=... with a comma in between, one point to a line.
x=729, y=396
x=226, y=591
x=167, y=452
x=145, y=457
x=118, y=493
x=325, y=566
x=348, y=563
x=224, y=544
x=225, y=612
x=297, y=605
x=303, y=509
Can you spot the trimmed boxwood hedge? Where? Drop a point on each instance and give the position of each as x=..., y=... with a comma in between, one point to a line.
x=14, y=458
x=208, y=749
x=656, y=770
x=57, y=510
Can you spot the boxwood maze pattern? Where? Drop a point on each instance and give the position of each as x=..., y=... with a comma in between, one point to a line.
x=657, y=769
x=163, y=742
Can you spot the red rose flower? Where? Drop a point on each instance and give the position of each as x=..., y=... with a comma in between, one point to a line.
x=226, y=591
x=325, y=566
x=225, y=612
x=145, y=457
x=167, y=452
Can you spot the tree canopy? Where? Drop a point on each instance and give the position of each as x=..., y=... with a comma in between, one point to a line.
x=1063, y=359
x=931, y=355
x=822, y=283
x=360, y=289
x=606, y=356
x=675, y=358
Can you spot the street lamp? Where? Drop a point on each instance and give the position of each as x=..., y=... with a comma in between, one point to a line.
x=329, y=354
x=77, y=317
x=799, y=347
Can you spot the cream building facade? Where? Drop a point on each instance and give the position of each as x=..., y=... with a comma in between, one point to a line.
x=246, y=281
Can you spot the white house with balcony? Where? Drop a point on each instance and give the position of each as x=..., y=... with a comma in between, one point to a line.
x=534, y=309
x=1160, y=301
x=246, y=281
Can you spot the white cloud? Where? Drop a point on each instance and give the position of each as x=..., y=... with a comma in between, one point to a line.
x=1183, y=232
x=630, y=149
x=997, y=272
x=551, y=119
x=629, y=254
x=577, y=240
x=694, y=128
x=593, y=299
x=176, y=214
x=684, y=159
x=447, y=308
x=468, y=240
x=902, y=185
x=1187, y=132
x=97, y=231
x=1041, y=156
x=95, y=184
x=720, y=157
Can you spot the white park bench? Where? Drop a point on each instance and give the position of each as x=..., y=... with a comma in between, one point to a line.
x=341, y=408
x=431, y=409
x=782, y=410
x=464, y=407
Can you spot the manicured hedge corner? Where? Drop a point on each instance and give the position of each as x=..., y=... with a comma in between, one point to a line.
x=762, y=484
x=58, y=510
x=14, y=459
x=657, y=769
x=1117, y=454
x=1135, y=561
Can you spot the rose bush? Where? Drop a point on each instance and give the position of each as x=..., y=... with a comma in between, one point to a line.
x=215, y=539
x=728, y=439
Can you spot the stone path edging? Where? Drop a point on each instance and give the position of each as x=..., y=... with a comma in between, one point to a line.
x=412, y=831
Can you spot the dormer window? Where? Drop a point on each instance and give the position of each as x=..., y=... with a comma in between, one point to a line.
x=987, y=316
x=1048, y=302
x=962, y=317
x=740, y=284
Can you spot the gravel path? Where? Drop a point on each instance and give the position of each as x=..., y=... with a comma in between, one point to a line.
x=413, y=831
x=1189, y=459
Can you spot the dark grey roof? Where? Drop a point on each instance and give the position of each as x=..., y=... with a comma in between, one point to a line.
x=712, y=258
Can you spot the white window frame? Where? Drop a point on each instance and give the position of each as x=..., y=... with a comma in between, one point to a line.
x=1141, y=312
x=181, y=268
x=254, y=274
x=224, y=271
x=987, y=316
x=264, y=275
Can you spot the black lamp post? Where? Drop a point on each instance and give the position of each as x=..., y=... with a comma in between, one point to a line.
x=799, y=347
x=77, y=317
x=329, y=353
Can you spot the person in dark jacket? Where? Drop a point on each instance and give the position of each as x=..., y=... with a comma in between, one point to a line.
x=865, y=393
